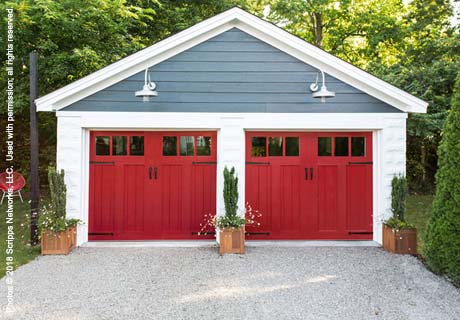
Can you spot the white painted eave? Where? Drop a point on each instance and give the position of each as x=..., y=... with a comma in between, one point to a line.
x=233, y=18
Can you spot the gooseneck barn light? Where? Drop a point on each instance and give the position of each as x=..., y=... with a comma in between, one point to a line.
x=149, y=88
x=322, y=93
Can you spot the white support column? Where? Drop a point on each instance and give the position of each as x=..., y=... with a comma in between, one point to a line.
x=230, y=153
x=69, y=158
x=392, y=161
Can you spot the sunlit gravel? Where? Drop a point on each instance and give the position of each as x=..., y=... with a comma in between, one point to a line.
x=196, y=283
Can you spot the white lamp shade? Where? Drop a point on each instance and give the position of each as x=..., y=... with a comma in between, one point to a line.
x=323, y=93
x=146, y=93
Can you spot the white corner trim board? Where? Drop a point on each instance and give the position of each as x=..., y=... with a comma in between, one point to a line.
x=233, y=18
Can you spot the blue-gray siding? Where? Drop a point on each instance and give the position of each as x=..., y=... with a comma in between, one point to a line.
x=232, y=72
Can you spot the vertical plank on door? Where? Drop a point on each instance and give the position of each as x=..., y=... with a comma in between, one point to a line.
x=260, y=198
x=134, y=187
x=289, y=190
x=327, y=197
x=359, y=198
x=203, y=194
x=101, y=188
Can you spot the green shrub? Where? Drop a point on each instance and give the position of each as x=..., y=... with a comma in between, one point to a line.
x=398, y=197
x=53, y=216
x=442, y=243
x=397, y=224
x=230, y=192
x=231, y=219
x=398, y=204
x=58, y=191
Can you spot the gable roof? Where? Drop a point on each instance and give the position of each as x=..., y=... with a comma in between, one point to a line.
x=233, y=18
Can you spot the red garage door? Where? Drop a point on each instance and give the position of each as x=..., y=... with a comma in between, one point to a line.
x=150, y=185
x=310, y=185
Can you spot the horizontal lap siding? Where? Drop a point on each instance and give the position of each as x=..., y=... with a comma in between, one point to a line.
x=232, y=72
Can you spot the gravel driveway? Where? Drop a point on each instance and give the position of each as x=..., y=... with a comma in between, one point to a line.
x=196, y=283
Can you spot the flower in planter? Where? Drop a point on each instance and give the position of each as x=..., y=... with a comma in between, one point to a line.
x=397, y=224
x=52, y=217
x=251, y=217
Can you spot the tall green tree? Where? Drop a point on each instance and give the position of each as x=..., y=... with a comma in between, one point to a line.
x=173, y=16
x=442, y=245
x=358, y=31
x=427, y=65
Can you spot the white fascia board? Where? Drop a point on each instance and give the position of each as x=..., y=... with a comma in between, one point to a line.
x=209, y=28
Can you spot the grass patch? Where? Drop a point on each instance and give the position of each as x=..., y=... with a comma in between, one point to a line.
x=23, y=252
x=418, y=213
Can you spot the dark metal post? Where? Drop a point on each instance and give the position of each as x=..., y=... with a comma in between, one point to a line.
x=34, y=183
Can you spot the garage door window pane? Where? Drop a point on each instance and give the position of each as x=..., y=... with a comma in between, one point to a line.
x=136, y=144
x=119, y=146
x=187, y=146
x=258, y=147
x=102, y=146
x=341, y=147
x=292, y=146
x=203, y=146
x=324, y=146
x=170, y=146
x=358, y=148
x=275, y=146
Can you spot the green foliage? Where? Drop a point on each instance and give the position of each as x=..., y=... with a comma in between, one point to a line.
x=173, y=16
x=357, y=31
x=442, y=244
x=398, y=204
x=230, y=192
x=58, y=191
x=427, y=65
x=52, y=217
x=398, y=197
x=398, y=224
x=419, y=209
x=230, y=221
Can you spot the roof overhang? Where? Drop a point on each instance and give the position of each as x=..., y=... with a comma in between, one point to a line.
x=233, y=18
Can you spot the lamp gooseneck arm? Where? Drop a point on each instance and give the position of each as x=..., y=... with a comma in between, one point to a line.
x=322, y=74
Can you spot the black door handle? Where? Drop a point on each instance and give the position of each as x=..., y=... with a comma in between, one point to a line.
x=150, y=173
x=311, y=173
x=306, y=173
x=155, y=173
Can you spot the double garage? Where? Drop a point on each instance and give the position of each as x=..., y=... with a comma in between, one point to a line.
x=160, y=185
x=314, y=140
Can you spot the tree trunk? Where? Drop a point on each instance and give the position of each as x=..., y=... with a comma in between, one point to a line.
x=318, y=30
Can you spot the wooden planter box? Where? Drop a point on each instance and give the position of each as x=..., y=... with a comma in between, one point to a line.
x=59, y=242
x=401, y=241
x=231, y=241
